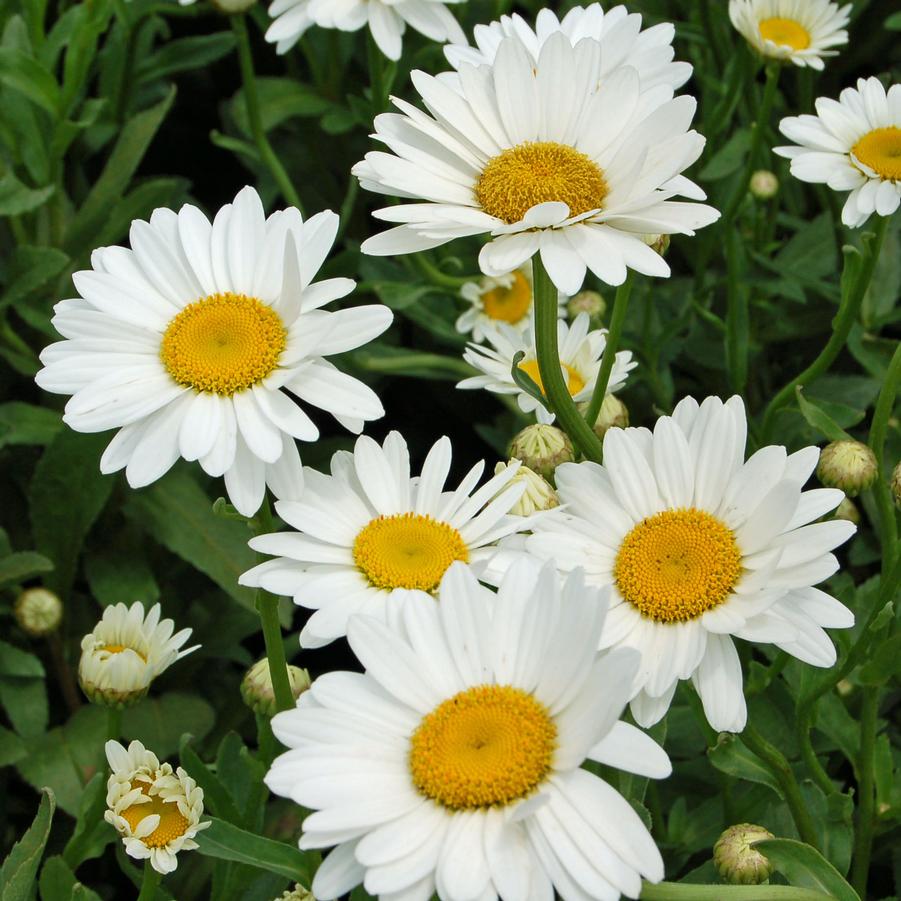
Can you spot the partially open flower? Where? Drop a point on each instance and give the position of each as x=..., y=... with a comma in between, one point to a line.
x=125, y=652
x=38, y=611
x=258, y=693
x=735, y=858
x=539, y=495
x=155, y=810
x=848, y=465
x=542, y=448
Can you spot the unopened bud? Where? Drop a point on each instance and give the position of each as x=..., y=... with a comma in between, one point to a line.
x=658, y=243
x=258, y=693
x=298, y=893
x=542, y=448
x=764, y=185
x=614, y=414
x=38, y=611
x=590, y=302
x=896, y=484
x=847, y=510
x=539, y=495
x=848, y=465
x=735, y=858
x=229, y=7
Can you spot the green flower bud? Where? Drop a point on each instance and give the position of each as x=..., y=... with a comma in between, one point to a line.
x=590, y=302
x=735, y=858
x=257, y=691
x=542, y=448
x=847, y=509
x=764, y=185
x=848, y=465
x=539, y=495
x=38, y=611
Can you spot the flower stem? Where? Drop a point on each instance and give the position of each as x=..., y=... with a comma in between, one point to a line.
x=779, y=766
x=841, y=327
x=617, y=318
x=557, y=394
x=113, y=723
x=684, y=891
x=437, y=277
x=252, y=102
x=149, y=883
x=866, y=810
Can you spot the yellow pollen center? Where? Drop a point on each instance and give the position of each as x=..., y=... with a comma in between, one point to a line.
x=678, y=564
x=487, y=746
x=407, y=550
x=537, y=172
x=119, y=648
x=223, y=344
x=881, y=151
x=785, y=32
x=508, y=304
x=574, y=381
x=172, y=823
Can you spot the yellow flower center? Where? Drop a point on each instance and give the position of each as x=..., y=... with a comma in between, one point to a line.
x=119, y=648
x=172, y=822
x=509, y=304
x=537, y=172
x=574, y=381
x=881, y=151
x=223, y=344
x=408, y=550
x=785, y=32
x=487, y=746
x=678, y=564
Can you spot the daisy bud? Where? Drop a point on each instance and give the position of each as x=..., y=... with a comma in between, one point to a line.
x=539, y=495
x=542, y=448
x=258, y=693
x=735, y=858
x=848, y=465
x=38, y=611
x=658, y=243
x=847, y=510
x=233, y=6
x=614, y=414
x=764, y=185
x=590, y=302
x=125, y=652
x=298, y=893
x=896, y=484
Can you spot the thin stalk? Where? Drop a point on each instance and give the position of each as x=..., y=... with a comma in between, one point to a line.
x=378, y=82
x=617, y=318
x=252, y=102
x=866, y=792
x=63, y=672
x=557, y=394
x=804, y=721
x=737, y=315
x=841, y=327
x=782, y=772
x=684, y=891
x=113, y=723
x=149, y=883
x=436, y=276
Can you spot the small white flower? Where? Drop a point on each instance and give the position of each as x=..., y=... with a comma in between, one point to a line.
x=453, y=764
x=801, y=31
x=155, y=810
x=369, y=530
x=581, y=352
x=189, y=342
x=126, y=651
x=700, y=546
x=387, y=20
x=852, y=144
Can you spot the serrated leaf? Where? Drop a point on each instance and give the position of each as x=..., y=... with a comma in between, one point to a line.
x=883, y=662
x=819, y=419
x=805, y=867
x=21, y=866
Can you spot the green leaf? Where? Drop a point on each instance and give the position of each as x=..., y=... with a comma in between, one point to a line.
x=25, y=702
x=810, y=254
x=23, y=565
x=118, y=570
x=729, y=157
x=883, y=663
x=140, y=203
x=19, y=663
x=12, y=748
x=134, y=139
x=30, y=269
x=159, y=723
x=92, y=833
x=215, y=795
x=67, y=494
x=21, y=866
x=176, y=512
x=731, y=756
x=185, y=54
x=805, y=867
x=893, y=22
x=25, y=74
x=819, y=419
x=280, y=99
x=58, y=883
x=524, y=381
x=399, y=295
x=22, y=423
x=17, y=198
x=227, y=842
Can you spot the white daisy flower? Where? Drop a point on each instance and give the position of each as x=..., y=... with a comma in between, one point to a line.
x=852, y=144
x=452, y=766
x=537, y=156
x=700, y=547
x=126, y=651
x=801, y=31
x=189, y=342
x=581, y=352
x=369, y=530
x=501, y=299
x=387, y=20
x=618, y=31
x=156, y=810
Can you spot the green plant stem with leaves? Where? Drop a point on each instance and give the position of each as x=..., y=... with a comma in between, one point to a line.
x=617, y=318
x=558, y=397
x=149, y=883
x=254, y=116
x=685, y=891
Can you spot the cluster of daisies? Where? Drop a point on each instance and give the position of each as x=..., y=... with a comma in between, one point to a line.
x=503, y=624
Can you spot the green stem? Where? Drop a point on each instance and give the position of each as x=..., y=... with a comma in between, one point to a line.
x=782, y=772
x=737, y=314
x=617, y=318
x=378, y=83
x=841, y=327
x=559, y=400
x=863, y=834
x=414, y=362
x=804, y=723
x=684, y=891
x=437, y=277
x=252, y=101
x=113, y=723
x=149, y=883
